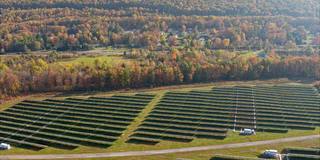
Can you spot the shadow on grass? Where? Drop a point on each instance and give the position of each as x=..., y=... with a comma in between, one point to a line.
x=136, y=141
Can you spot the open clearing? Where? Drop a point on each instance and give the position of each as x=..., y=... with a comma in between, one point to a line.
x=92, y=60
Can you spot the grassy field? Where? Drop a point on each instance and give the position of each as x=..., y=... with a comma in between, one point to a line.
x=92, y=60
x=108, y=56
x=206, y=155
x=120, y=144
x=18, y=99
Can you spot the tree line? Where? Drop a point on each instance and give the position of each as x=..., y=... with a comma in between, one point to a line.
x=30, y=74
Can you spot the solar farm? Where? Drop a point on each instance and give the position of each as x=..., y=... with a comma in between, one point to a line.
x=177, y=116
x=184, y=116
x=69, y=123
x=302, y=153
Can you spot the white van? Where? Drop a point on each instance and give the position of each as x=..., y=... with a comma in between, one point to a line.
x=270, y=154
x=247, y=132
x=4, y=146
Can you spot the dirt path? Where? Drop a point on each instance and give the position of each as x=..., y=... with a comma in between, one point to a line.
x=156, y=152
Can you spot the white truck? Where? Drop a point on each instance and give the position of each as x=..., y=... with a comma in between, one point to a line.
x=5, y=146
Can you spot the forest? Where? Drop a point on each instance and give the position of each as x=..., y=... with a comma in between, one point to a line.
x=169, y=42
x=301, y=8
x=69, y=25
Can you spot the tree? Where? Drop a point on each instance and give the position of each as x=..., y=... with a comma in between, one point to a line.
x=9, y=83
x=226, y=43
x=35, y=45
x=309, y=50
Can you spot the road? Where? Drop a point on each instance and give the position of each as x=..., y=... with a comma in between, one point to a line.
x=101, y=51
x=156, y=152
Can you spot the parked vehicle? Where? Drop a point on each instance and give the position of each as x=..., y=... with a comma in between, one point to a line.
x=4, y=146
x=247, y=132
x=270, y=154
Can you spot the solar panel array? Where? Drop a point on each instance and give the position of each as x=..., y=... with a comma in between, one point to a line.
x=70, y=123
x=184, y=116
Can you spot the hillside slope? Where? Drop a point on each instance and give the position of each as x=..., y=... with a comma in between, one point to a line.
x=183, y=7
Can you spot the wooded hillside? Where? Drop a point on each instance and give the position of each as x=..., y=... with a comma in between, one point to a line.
x=183, y=7
x=170, y=42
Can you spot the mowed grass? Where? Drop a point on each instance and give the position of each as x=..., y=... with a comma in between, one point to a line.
x=121, y=145
x=18, y=99
x=108, y=60
x=10, y=103
x=106, y=56
x=253, y=152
